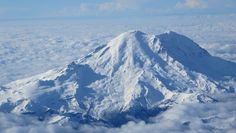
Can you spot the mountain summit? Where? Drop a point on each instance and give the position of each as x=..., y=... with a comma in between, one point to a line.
x=134, y=76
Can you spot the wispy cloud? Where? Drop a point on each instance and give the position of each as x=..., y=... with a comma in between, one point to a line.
x=118, y=5
x=5, y=9
x=191, y=4
x=82, y=9
x=85, y=8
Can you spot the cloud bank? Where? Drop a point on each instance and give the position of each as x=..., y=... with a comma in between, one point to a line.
x=211, y=117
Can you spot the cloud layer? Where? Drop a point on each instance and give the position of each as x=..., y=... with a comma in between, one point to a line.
x=191, y=118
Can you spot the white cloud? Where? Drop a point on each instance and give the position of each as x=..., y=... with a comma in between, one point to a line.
x=84, y=9
x=110, y=6
x=4, y=10
x=10, y=123
x=79, y=10
x=191, y=118
x=191, y=4
x=223, y=50
x=118, y=5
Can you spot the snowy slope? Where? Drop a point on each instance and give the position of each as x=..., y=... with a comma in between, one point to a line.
x=134, y=76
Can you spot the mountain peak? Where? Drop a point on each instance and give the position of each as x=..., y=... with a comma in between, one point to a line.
x=133, y=32
x=134, y=75
x=130, y=34
x=136, y=48
x=170, y=32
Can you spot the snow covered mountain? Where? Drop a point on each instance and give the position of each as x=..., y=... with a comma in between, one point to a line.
x=134, y=76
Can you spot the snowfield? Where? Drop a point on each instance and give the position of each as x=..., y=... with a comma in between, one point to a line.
x=78, y=78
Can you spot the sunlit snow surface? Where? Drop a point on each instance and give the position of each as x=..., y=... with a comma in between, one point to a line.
x=29, y=48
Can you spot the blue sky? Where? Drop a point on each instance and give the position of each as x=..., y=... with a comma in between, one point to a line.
x=30, y=9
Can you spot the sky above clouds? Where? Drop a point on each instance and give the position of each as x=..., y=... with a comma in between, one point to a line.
x=30, y=9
